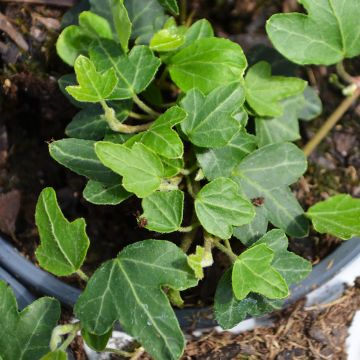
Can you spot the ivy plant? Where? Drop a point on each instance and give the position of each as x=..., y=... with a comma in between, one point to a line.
x=176, y=117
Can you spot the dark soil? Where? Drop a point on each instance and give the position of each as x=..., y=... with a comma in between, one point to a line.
x=34, y=112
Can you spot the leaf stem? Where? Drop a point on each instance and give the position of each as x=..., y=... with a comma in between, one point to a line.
x=217, y=243
x=190, y=228
x=183, y=11
x=344, y=75
x=331, y=122
x=117, y=126
x=82, y=275
x=137, y=116
x=145, y=107
x=61, y=330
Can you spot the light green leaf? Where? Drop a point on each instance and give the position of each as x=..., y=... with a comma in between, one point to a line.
x=229, y=311
x=313, y=105
x=79, y=156
x=55, y=355
x=170, y=5
x=220, y=162
x=63, y=244
x=134, y=71
x=93, y=86
x=122, y=23
x=163, y=211
x=219, y=207
x=168, y=39
x=338, y=216
x=99, y=193
x=248, y=234
x=160, y=137
x=142, y=169
x=207, y=64
x=66, y=80
x=95, y=25
x=172, y=166
x=327, y=35
x=210, y=122
x=198, y=30
x=252, y=272
x=267, y=173
x=264, y=92
x=96, y=342
x=200, y=260
x=128, y=289
x=292, y=268
x=25, y=335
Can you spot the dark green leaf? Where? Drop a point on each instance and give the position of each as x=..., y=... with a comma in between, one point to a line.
x=96, y=342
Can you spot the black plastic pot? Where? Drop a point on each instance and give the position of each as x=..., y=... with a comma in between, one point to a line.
x=42, y=283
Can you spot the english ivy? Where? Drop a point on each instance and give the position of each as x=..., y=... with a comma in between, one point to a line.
x=172, y=115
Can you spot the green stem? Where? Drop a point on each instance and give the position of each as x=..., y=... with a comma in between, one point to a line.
x=61, y=330
x=117, y=126
x=344, y=75
x=331, y=122
x=190, y=228
x=217, y=243
x=145, y=107
x=183, y=11
x=137, y=116
x=82, y=275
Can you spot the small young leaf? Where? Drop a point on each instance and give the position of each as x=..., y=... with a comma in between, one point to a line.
x=25, y=335
x=133, y=281
x=55, y=355
x=253, y=272
x=160, y=137
x=338, y=216
x=207, y=64
x=134, y=71
x=99, y=193
x=200, y=260
x=63, y=244
x=229, y=311
x=210, y=121
x=313, y=105
x=250, y=233
x=163, y=211
x=219, y=162
x=142, y=169
x=172, y=166
x=168, y=39
x=93, y=86
x=170, y=5
x=121, y=23
x=327, y=35
x=65, y=81
x=264, y=92
x=79, y=156
x=219, y=207
x=96, y=342
x=198, y=30
x=95, y=25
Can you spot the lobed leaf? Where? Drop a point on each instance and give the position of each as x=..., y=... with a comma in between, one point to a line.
x=134, y=280
x=170, y=38
x=25, y=335
x=63, y=244
x=219, y=207
x=170, y=5
x=210, y=122
x=326, y=36
x=338, y=216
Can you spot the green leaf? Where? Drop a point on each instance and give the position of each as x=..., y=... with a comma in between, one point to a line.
x=264, y=92
x=25, y=335
x=219, y=207
x=170, y=5
x=200, y=260
x=172, y=166
x=163, y=211
x=122, y=23
x=207, y=64
x=142, y=169
x=63, y=244
x=338, y=216
x=160, y=137
x=313, y=105
x=210, y=122
x=248, y=234
x=99, y=193
x=291, y=267
x=96, y=342
x=327, y=35
x=66, y=80
x=220, y=162
x=134, y=71
x=79, y=156
x=168, y=39
x=266, y=174
x=253, y=272
x=95, y=25
x=229, y=311
x=198, y=30
x=55, y=355
x=128, y=289
x=93, y=86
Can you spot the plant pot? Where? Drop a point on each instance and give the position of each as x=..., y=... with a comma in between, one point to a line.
x=42, y=283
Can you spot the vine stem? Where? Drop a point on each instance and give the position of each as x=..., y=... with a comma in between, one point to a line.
x=344, y=75
x=217, y=243
x=82, y=275
x=61, y=330
x=183, y=11
x=145, y=107
x=331, y=122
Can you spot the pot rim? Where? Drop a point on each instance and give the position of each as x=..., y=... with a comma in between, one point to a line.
x=15, y=265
